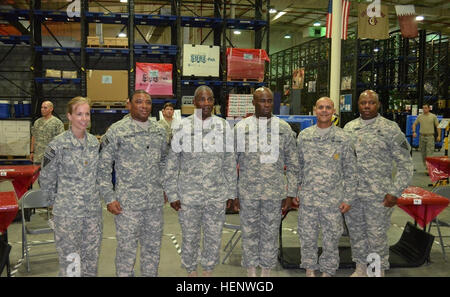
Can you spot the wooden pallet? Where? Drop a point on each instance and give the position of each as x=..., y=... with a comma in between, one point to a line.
x=231, y=78
x=108, y=105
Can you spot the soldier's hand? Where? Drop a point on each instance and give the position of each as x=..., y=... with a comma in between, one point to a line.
x=114, y=208
x=176, y=205
x=438, y=139
x=236, y=205
x=286, y=204
x=295, y=202
x=165, y=198
x=344, y=207
x=389, y=200
x=31, y=156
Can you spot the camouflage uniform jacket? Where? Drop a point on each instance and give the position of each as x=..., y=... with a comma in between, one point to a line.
x=44, y=131
x=378, y=145
x=138, y=156
x=68, y=175
x=327, y=168
x=259, y=179
x=198, y=177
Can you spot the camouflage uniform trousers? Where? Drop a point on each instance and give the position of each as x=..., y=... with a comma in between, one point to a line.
x=138, y=226
x=368, y=222
x=209, y=218
x=82, y=236
x=260, y=226
x=426, y=145
x=310, y=220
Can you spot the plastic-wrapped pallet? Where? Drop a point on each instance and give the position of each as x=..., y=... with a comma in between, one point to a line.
x=246, y=64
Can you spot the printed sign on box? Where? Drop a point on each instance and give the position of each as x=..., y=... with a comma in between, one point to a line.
x=201, y=60
x=154, y=78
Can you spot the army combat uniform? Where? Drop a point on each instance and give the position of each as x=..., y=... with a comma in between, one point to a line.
x=68, y=178
x=138, y=154
x=44, y=131
x=327, y=177
x=202, y=179
x=262, y=185
x=378, y=145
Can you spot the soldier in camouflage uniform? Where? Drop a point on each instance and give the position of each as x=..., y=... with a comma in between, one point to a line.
x=43, y=131
x=200, y=177
x=68, y=178
x=327, y=180
x=264, y=188
x=379, y=143
x=137, y=147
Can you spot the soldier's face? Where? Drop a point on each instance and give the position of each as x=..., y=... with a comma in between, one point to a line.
x=368, y=107
x=324, y=111
x=80, y=117
x=204, y=101
x=140, y=107
x=46, y=109
x=263, y=103
x=168, y=112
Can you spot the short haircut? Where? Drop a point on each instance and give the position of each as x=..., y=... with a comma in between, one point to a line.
x=140, y=92
x=261, y=90
x=426, y=104
x=325, y=98
x=203, y=88
x=168, y=104
x=369, y=93
x=48, y=102
x=77, y=101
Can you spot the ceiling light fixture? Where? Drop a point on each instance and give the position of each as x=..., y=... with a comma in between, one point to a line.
x=316, y=24
x=123, y=1
x=419, y=18
x=287, y=36
x=237, y=32
x=122, y=34
x=279, y=15
x=272, y=10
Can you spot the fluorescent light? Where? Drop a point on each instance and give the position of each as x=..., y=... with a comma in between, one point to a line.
x=121, y=34
x=419, y=18
x=316, y=24
x=287, y=36
x=279, y=15
x=123, y=1
x=376, y=49
x=272, y=10
x=237, y=32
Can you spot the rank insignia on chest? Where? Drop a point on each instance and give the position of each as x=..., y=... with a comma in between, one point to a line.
x=336, y=156
x=86, y=162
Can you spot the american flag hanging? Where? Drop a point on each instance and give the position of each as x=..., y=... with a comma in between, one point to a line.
x=344, y=23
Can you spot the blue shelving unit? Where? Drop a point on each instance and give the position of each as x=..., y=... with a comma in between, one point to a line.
x=154, y=20
x=244, y=24
x=202, y=22
x=11, y=39
x=59, y=81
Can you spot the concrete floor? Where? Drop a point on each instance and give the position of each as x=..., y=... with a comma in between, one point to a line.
x=171, y=243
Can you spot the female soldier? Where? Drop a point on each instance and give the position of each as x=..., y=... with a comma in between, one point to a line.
x=68, y=178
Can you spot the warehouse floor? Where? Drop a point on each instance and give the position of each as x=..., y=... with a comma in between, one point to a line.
x=171, y=242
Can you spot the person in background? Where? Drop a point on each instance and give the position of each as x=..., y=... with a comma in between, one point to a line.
x=43, y=131
x=68, y=178
x=167, y=120
x=428, y=122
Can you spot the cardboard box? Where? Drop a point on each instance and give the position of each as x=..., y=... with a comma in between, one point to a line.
x=53, y=73
x=187, y=109
x=69, y=74
x=109, y=41
x=93, y=41
x=14, y=138
x=107, y=85
x=122, y=42
x=201, y=60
